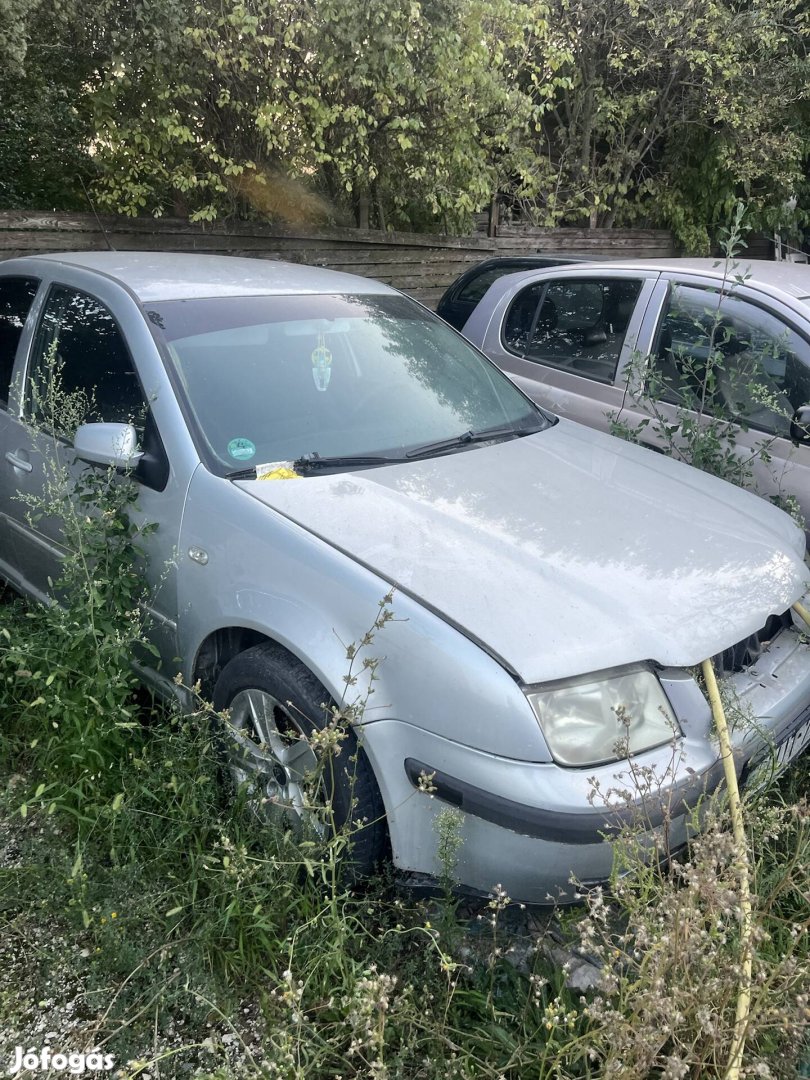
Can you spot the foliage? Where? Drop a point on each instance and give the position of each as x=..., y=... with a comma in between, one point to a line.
x=668, y=1010
x=374, y=101
x=68, y=680
x=13, y=25
x=410, y=114
x=670, y=112
x=41, y=145
x=750, y=143
x=47, y=69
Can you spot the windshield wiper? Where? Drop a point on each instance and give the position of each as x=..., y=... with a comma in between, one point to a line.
x=314, y=461
x=468, y=437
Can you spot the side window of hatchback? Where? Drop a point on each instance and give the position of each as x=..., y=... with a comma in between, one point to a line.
x=16, y=296
x=740, y=360
x=573, y=324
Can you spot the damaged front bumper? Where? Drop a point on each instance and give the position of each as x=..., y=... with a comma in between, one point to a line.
x=536, y=828
x=768, y=706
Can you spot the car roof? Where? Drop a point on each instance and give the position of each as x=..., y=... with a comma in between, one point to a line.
x=533, y=256
x=159, y=275
x=536, y=260
x=787, y=277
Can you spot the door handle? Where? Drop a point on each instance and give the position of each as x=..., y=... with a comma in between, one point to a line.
x=18, y=462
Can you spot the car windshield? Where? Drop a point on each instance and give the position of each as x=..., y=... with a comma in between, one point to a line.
x=276, y=378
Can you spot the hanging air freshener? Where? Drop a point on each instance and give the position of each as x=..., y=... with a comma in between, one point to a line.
x=321, y=364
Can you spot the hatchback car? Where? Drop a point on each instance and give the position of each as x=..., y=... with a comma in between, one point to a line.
x=460, y=298
x=570, y=338
x=307, y=441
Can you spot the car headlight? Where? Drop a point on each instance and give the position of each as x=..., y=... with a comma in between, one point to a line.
x=591, y=721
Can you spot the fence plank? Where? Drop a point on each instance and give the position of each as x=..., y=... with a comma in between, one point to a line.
x=419, y=263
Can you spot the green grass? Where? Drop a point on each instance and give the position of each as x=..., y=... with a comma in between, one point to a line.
x=174, y=930
x=143, y=908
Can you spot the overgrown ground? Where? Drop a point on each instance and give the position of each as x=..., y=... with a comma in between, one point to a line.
x=170, y=930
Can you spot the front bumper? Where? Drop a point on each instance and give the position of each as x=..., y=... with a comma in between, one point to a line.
x=535, y=828
x=653, y=809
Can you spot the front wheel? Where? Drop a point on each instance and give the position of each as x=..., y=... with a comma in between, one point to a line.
x=275, y=707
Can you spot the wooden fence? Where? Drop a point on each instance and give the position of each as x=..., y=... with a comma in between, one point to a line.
x=420, y=264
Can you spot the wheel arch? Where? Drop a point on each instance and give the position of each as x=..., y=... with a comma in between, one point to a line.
x=226, y=642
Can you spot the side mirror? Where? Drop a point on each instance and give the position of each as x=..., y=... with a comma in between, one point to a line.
x=800, y=425
x=113, y=445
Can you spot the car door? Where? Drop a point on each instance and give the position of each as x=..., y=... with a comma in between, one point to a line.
x=80, y=370
x=17, y=294
x=761, y=378
x=566, y=340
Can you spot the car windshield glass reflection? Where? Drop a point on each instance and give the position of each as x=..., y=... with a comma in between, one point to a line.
x=271, y=379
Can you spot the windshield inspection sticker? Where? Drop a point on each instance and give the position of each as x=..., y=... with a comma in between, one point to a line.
x=321, y=364
x=241, y=449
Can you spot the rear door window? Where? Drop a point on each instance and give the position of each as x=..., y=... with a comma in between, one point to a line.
x=578, y=325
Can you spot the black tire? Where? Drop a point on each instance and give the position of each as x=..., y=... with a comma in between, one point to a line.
x=266, y=677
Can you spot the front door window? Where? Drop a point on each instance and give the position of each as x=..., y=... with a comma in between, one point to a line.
x=725, y=355
x=81, y=371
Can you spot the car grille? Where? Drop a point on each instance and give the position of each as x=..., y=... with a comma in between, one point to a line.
x=748, y=651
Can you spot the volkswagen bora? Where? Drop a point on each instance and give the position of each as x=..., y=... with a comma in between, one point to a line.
x=308, y=441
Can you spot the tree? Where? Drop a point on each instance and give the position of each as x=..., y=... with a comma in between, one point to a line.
x=50, y=53
x=393, y=109
x=409, y=113
x=14, y=18
x=654, y=89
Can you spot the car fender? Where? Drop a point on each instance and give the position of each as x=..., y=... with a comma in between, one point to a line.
x=263, y=572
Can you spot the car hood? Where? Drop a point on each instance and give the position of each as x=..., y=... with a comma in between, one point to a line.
x=563, y=552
